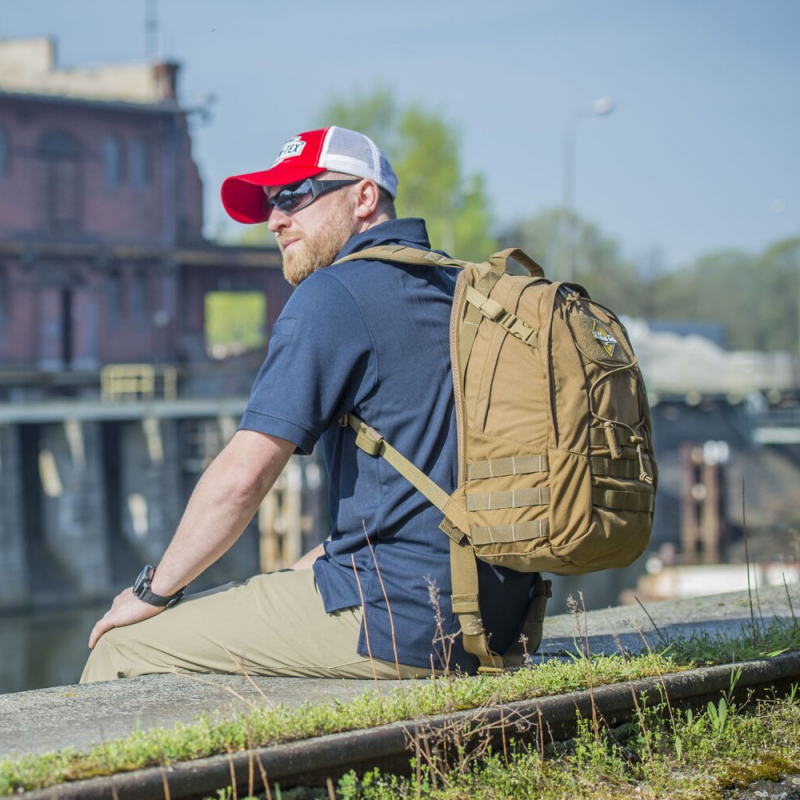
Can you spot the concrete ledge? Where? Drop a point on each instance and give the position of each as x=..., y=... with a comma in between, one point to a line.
x=78, y=716
x=388, y=747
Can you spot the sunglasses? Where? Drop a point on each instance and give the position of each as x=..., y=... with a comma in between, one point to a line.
x=299, y=195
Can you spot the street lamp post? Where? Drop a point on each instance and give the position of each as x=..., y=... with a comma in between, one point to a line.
x=600, y=107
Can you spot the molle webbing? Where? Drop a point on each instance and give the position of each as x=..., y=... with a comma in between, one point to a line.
x=517, y=532
x=623, y=501
x=502, y=467
x=628, y=468
x=516, y=498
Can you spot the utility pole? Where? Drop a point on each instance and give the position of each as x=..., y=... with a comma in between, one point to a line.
x=599, y=107
x=151, y=30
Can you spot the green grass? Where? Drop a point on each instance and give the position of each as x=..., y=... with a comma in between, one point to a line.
x=756, y=640
x=662, y=756
x=258, y=728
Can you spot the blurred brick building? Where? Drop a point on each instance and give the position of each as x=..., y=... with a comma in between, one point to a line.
x=102, y=256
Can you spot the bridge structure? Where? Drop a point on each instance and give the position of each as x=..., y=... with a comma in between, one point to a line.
x=91, y=488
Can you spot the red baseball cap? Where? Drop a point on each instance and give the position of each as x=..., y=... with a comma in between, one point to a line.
x=304, y=156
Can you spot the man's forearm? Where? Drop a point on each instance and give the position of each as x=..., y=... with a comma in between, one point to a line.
x=224, y=501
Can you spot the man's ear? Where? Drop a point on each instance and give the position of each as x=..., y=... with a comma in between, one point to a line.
x=367, y=199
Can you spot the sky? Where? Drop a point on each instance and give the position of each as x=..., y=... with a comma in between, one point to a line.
x=701, y=153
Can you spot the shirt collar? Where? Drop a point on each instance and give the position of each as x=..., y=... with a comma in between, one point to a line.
x=409, y=231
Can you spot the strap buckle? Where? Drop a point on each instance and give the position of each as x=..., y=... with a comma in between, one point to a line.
x=369, y=440
x=516, y=327
x=450, y=530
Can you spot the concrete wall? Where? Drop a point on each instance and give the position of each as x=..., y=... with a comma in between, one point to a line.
x=85, y=504
x=14, y=583
x=73, y=519
x=151, y=500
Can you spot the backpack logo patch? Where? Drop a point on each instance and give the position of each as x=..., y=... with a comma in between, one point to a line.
x=606, y=340
x=292, y=148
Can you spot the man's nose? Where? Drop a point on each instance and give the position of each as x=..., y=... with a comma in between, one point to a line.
x=278, y=221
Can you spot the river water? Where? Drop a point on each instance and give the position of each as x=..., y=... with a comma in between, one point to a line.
x=44, y=648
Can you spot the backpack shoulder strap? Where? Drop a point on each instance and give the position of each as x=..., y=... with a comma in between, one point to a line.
x=463, y=567
x=373, y=444
x=401, y=254
x=412, y=255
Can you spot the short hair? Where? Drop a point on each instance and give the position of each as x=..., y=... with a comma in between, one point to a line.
x=385, y=200
x=386, y=203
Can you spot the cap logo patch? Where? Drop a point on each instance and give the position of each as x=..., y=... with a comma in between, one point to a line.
x=606, y=340
x=292, y=148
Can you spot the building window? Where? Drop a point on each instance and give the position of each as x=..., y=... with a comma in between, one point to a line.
x=112, y=162
x=141, y=165
x=114, y=298
x=3, y=155
x=61, y=164
x=139, y=305
x=5, y=300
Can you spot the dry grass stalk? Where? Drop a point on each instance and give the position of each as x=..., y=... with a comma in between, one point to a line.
x=388, y=604
x=232, y=770
x=366, y=626
x=165, y=784
x=263, y=772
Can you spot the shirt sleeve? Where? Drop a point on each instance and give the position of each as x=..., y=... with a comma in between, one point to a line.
x=319, y=364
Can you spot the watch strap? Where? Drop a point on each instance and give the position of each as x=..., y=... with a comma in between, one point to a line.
x=141, y=589
x=159, y=599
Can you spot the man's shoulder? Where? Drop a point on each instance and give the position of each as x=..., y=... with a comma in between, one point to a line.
x=320, y=287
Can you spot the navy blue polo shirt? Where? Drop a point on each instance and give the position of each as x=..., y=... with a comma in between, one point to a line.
x=373, y=338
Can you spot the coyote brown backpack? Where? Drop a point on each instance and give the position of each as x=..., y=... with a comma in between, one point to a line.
x=555, y=450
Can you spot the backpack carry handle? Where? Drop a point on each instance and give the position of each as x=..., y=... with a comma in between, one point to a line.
x=499, y=262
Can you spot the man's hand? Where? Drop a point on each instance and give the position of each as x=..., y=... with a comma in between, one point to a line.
x=307, y=561
x=125, y=610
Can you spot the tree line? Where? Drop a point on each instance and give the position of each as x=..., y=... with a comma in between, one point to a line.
x=754, y=297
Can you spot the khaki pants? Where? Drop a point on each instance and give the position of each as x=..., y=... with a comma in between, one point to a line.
x=273, y=624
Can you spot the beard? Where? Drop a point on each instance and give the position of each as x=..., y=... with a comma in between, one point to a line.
x=312, y=252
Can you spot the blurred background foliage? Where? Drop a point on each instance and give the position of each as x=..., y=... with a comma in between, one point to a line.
x=425, y=152
x=235, y=322
x=755, y=297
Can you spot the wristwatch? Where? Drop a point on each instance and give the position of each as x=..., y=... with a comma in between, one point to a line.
x=141, y=588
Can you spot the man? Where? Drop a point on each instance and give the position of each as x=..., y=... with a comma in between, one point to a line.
x=366, y=337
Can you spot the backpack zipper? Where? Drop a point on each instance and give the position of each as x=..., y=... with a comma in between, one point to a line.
x=551, y=371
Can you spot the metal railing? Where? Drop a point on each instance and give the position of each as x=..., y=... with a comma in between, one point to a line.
x=120, y=383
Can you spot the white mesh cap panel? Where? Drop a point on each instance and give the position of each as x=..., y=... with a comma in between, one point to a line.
x=354, y=154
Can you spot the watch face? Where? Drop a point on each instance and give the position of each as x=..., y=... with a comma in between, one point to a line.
x=143, y=580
